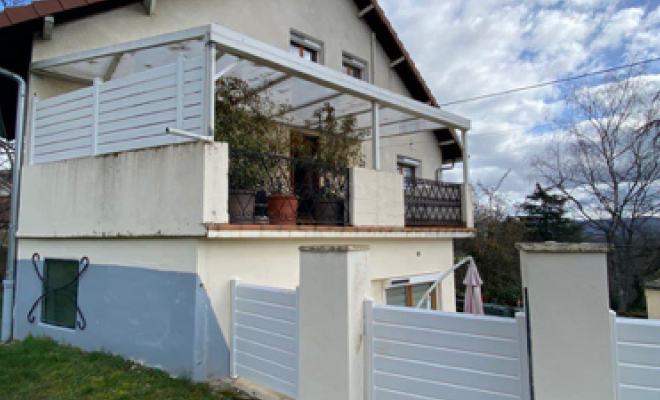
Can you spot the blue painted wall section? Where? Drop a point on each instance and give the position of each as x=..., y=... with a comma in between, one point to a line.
x=163, y=319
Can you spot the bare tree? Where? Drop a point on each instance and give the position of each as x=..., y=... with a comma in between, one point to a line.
x=493, y=247
x=606, y=162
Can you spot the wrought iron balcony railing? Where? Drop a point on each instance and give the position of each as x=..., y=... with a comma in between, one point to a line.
x=280, y=190
x=432, y=203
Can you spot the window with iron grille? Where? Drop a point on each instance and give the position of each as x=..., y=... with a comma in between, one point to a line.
x=59, y=306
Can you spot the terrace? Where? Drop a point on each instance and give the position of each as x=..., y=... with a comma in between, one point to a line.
x=160, y=91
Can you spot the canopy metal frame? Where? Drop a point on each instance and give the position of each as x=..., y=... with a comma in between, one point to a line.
x=381, y=111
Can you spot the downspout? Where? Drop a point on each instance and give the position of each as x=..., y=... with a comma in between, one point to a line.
x=9, y=282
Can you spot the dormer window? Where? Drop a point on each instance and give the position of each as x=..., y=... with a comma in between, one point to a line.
x=305, y=47
x=354, y=67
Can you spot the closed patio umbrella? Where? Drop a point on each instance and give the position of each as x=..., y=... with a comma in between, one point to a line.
x=473, y=301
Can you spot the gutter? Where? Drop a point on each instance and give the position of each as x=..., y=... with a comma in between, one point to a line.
x=9, y=282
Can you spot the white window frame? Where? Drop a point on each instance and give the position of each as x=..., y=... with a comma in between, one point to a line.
x=355, y=62
x=308, y=42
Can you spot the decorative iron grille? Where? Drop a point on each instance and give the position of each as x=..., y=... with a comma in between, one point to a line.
x=432, y=203
x=280, y=190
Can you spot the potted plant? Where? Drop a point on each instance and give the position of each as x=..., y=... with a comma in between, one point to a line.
x=282, y=202
x=247, y=121
x=339, y=148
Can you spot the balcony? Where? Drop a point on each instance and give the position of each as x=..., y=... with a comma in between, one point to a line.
x=279, y=190
x=161, y=91
x=433, y=203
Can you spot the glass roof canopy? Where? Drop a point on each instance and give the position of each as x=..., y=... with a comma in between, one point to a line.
x=288, y=80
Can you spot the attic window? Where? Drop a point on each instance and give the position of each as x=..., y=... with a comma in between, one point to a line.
x=305, y=47
x=354, y=67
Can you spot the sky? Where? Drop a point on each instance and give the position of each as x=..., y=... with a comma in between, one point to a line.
x=467, y=48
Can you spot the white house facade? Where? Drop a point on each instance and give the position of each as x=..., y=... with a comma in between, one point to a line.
x=127, y=237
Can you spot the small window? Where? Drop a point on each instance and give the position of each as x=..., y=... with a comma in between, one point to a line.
x=408, y=167
x=354, y=67
x=410, y=295
x=305, y=48
x=61, y=284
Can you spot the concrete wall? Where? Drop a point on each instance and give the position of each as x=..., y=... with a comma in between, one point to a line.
x=653, y=302
x=164, y=191
x=138, y=297
x=376, y=198
x=166, y=302
x=571, y=329
x=421, y=146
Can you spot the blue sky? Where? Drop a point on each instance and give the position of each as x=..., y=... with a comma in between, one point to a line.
x=466, y=48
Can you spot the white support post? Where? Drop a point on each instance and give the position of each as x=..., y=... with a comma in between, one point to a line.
x=209, y=89
x=567, y=303
x=232, y=350
x=525, y=376
x=369, y=349
x=180, y=69
x=615, y=351
x=95, y=121
x=375, y=134
x=33, y=129
x=331, y=333
x=468, y=213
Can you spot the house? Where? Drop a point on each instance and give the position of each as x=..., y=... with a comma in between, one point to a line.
x=128, y=230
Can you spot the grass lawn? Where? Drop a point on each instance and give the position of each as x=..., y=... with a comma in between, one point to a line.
x=40, y=369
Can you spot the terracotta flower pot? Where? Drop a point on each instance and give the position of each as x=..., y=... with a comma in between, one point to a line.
x=283, y=209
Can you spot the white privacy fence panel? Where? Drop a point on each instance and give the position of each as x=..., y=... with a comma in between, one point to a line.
x=638, y=348
x=265, y=337
x=119, y=115
x=425, y=355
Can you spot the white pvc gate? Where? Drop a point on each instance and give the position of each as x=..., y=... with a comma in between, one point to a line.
x=119, y=115
x=265, y=337
x=638, y=348
x=420, y=354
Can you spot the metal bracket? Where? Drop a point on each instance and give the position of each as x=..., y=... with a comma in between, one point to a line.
x=84, y=263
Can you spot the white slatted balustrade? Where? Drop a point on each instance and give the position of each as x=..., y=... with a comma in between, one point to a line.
x=122, y=114
x=638, y=348
x=265, y=337
x=430, y=355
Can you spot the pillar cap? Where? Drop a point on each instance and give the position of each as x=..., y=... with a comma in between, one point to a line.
x=555, y=247
x=333, y=248
x=653, y=284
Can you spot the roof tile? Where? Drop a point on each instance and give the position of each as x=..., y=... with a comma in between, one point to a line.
x=4, y=21
x=19, y=14
x=68, y=4
x=47, y=7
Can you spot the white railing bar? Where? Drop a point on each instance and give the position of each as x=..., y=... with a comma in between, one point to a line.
x=189, y=135
x=232, y=347
x=442, y=278
x=227, y=70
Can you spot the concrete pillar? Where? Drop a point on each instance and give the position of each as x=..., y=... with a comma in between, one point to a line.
x=333, y=286
x=567, y=303
x=652, y=291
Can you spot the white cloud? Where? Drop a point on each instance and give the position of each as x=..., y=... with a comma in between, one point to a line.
x=467, y=48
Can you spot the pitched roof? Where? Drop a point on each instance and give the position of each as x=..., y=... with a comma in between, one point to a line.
x=37, y=9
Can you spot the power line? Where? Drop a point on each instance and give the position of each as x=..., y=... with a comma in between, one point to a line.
x=549, y=83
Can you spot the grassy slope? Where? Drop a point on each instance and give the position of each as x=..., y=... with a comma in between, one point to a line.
x=40, y=369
